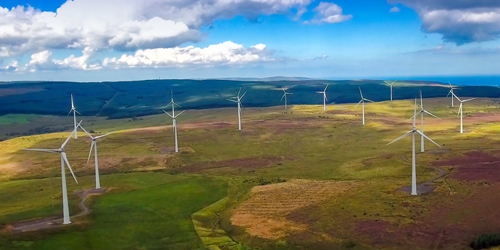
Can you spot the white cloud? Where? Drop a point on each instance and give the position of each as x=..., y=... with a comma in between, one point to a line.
x=394, y=9
x=459, y=22
x=40, y=57
x=73, y=62
x=11, y=67
x=221, y=54
x=43, y=61
x=123, y=24
x=328, y=13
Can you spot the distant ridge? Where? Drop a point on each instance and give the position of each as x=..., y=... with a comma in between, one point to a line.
x=269, y=79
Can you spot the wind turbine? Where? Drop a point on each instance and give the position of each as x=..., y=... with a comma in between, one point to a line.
x=64, y=160
x=390, y=85
x=451, y=92
x=174, y=124
x=94, y=146
x=324, y=97
x=461, y=111
x=413, y=161
x=421, y=113
x=284, y=96
x=238, y=100
x=363, y=103
x=74, y=115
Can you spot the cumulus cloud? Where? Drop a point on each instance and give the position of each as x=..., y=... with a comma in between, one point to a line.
x=12, y=66
x=328, y=13
x=459, y=21
x=43, y=61
x=220, y=54
x=394, y=9
x=123, y=24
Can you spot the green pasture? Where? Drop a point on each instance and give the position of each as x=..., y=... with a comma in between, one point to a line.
x=142, y=211
x=16, y=119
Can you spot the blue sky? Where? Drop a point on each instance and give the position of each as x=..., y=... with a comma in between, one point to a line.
x=97, y=40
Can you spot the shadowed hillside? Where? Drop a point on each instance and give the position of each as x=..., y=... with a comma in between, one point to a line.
x=139, y=98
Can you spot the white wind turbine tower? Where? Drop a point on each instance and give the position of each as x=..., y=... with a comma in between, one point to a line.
x=284, y=96
x=461, y=111
x=363, y=104
x=413, y=161
x=73, y=109
x=238, y=100
x=64, y=160
x=421, y=113
x=324, y=97
x=174, y=121
x=390, y=85
x=451, y=93
x=174, y=124
x=94, y=146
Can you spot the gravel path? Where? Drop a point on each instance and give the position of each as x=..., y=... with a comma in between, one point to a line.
x=55, y=221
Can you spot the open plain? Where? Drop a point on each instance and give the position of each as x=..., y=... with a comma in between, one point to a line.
x=302, y=179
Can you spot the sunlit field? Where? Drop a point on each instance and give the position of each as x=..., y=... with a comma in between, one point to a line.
x=273, y=169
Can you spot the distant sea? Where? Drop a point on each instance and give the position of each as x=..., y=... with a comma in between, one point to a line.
x=458, y=80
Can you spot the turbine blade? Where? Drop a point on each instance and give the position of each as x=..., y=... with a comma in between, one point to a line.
x=41, y=150
x=69, y=166
x=168, y=114
x=326, y=87
x=401, y=137
x=84, y=130
x=77, y=112
x=67, y=139
x=415, y=114
x=69, y=112
x=459, y=109
x=283, y=97
x=456, y=96
x=243, y=95
x=226, y=99
x=359, y=103
x=368, y=100
x=179, y=114
x=97, y=137
x=429, y=113
x=289, y=93
x=421, y=101
x=72, y=105
x=283, y=88
x=469, y=99
x=90, y=152
x=177, y=105
x=422, y=134
x=361, y=93
x=239, y=92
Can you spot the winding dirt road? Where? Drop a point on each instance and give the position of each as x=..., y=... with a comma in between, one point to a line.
x=55, y=221
x=427, y=186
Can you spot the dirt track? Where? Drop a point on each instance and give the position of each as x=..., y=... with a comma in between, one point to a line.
x=427, y=186
x=55, y=221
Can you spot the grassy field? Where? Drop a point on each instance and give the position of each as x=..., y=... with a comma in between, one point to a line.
x=156, y=194
x=15, y=119
x=142, y=211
